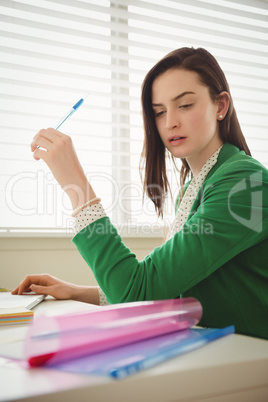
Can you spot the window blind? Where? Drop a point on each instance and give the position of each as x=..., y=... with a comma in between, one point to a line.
x=53, y=52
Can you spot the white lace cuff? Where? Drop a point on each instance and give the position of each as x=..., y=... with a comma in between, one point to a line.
x=103, y=300
x=88, y=215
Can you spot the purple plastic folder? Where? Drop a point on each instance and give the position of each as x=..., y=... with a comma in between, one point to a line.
x=55, y=339
x=129, y=359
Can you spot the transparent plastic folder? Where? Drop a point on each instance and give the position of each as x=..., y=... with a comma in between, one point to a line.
x=129, y=359
x=54, y=339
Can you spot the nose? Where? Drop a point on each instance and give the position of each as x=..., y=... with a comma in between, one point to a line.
x=172, y=119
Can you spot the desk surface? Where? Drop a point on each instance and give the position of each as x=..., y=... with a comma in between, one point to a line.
x=234, y=368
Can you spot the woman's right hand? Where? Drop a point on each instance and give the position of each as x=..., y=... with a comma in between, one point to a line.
x=47, y=285
x=57, y=151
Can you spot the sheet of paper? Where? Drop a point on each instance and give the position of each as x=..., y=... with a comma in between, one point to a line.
x=7, y=300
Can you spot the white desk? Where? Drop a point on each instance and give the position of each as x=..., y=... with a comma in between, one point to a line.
x=234, y=368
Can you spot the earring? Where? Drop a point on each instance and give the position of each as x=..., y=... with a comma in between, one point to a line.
x=220, y=116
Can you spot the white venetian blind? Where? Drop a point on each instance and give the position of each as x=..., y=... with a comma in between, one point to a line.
x=53, y=52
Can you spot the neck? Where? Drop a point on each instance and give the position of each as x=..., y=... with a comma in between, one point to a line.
x=196, y=162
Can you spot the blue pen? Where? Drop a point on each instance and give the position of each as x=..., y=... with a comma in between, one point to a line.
x=73, y=109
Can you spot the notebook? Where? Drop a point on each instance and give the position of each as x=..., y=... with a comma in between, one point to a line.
x=16, y=309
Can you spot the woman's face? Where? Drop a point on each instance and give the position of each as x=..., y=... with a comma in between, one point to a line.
x=186, y=117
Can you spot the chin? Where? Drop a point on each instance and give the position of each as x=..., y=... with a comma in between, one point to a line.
x=177, y=153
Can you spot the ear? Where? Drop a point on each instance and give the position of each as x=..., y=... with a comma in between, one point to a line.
x=223, y=105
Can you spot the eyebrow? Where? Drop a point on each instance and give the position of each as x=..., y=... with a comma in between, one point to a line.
x=176, y=98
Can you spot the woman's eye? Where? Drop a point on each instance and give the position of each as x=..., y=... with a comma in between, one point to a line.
x=158, y=114
x=185, y=106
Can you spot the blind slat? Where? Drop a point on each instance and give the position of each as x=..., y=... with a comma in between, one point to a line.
x=208, y=6
x=53, y=51
x=83, y=56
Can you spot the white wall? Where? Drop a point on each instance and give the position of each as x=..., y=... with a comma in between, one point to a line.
x=20, y=256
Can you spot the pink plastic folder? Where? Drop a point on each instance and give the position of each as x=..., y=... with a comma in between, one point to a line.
x=60, y=338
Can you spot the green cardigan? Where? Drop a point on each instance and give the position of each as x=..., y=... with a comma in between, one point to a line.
x=219, y=257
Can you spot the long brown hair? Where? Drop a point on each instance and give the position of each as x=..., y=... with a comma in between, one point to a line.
x=153, y=157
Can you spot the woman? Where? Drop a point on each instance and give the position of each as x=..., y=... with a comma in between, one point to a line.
x=217, y=245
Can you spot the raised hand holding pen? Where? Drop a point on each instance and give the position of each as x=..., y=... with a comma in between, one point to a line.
x=57, y=151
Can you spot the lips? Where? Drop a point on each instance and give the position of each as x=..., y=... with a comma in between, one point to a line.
x=175, y=138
